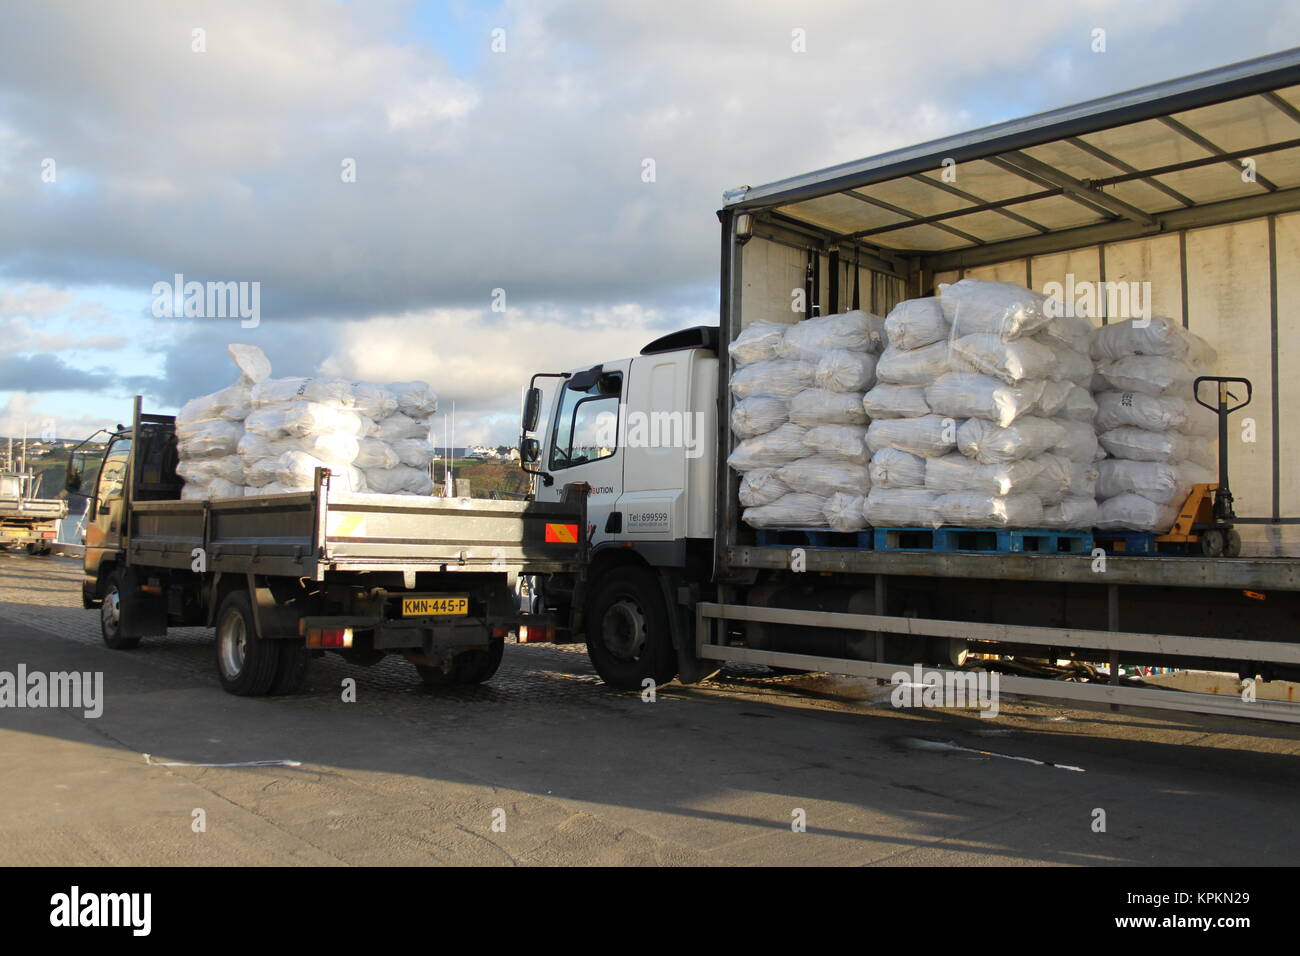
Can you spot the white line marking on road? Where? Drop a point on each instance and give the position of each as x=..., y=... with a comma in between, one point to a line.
x=243, y=763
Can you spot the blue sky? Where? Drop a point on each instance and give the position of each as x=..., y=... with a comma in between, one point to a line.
x=475, y=170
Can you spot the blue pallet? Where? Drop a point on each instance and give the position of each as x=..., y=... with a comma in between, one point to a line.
x=1128, y=542
x=813, y=538
x=983, y=540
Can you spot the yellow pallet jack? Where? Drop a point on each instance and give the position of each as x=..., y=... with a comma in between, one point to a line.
x=1205, y=520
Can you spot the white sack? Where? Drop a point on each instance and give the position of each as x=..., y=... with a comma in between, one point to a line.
x=1012, y=362
x=1154, y=336
x=971, y=510
x=231, y=404
x=1003, y=309
x=857, y=330
x=1161, y=482
x=959, y=473
x=982, y=396
x=905, y=507
x=375, y=454
x=1134, y=513
x=919, y=366
x=1073, y=513
x=251, y=361
x=816, y=406
x=914, y=323
x=794, y=510
x=1079, y=405
x=326, y=391
x=781, y=378
x=820, y=475
x=891, y=468
x=895, y=401
x=840, y=370
x=204, y=470
x=1138, y=444
x=1148, y=374
x=413, y=452
x=414, y=399
x=1155, y=413
x=208, y=439
x=299, y=419
x=843, y=512
x=929, y=436
x=762, y=486
x=1078, y=442
x=757, y=342
x=372, y=400
x=782, y=444
x=399, y=481
x=1027, y=437
x=758, y=415
x=846, y=442
x=400, y=426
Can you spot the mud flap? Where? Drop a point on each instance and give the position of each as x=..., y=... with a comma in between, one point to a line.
x=141, y=615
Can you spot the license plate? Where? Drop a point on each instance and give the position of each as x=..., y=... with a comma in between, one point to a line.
x=435, y=606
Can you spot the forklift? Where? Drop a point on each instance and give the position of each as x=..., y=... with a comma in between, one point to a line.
x=1205, y=521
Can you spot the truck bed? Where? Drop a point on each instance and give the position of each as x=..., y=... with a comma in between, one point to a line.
x=32, y=509
x=311, y=533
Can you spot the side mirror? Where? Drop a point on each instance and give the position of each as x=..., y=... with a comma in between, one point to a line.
x=530, y=449
x=532, y=406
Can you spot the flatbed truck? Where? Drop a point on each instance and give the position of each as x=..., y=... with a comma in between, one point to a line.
x=26, y=520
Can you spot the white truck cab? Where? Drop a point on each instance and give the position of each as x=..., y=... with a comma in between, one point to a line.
x=642, y=433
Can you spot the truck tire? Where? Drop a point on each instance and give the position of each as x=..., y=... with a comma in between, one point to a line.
x=291, y=672
x=628, y=638
x=110, y=617
x=474, y=667
x=246, y=665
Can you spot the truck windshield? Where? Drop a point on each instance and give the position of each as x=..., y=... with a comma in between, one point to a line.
x=586, y=424
x=112, y=476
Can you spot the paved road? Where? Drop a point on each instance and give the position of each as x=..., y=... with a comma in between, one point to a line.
x=580, y=775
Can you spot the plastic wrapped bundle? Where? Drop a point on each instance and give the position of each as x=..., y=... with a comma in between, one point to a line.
x=296, y=471
x=323, y=391
x=758, y=415
x=953, y=473
x=891, y=468
x=1160, y=482
x=1154, y=413
x=1154, y=336
x=840, y=370
x=1027, y=437
x=229, y=404
x=1134, y=513
x=301, y=419
x=974, y=510
x=374, y=401
x=1138, y=444
x=930, y=436
x=919, y=366
x=1079, y=405
x=1012, y=362
x=982, y=396
x=905, y=507
x=807, y=340
x=1061, y=478
x=895, y=401
x=816, y=406
x=1078, y=442
x=1004, y=309
x=820, y=475
x=216, y=488
x=1067, y=331
x=795, y=510
x=413, y=452
x=1148, y=374
x=213, y=438
x=1072, y=513
x=915, y=323
x=845, y=442
x=375, y=454
x=762, y=486
x=757, y=342
x=1069, y=365
x=398, y=427
x=844, y=512
x=414, y=399
x=783, y=444
x=204, y=470
x=781, y=378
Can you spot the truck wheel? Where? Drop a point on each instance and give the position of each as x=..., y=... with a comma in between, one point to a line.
x=291, y=673
x=246, y=664
x=627, y=631
x=474, y=667
x=110, y=618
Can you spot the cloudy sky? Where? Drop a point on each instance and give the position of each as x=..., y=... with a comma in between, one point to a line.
x=495, y=146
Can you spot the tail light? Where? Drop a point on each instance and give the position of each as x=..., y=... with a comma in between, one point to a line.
x=536, y=634
x=328, y=638
x=48, y=534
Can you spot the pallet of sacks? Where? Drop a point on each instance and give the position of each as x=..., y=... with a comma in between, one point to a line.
x=268, y=436
x=799, y=420
x=982, y=415
x=1158, y=441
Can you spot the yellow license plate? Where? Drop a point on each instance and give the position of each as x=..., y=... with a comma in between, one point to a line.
x=435, y=607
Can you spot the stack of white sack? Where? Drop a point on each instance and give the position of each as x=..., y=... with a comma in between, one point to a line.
x=1158, y=440
x=268, y=436
x=800, y=422
x=210, y=427
x=982, y=415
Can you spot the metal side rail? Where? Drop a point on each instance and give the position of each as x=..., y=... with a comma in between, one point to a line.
x=1164, y=699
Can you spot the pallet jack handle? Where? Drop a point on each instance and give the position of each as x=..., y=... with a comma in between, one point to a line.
x=1223, y=495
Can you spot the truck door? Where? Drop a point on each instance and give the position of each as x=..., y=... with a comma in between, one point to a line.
x=584, y=443
x=106, y=510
